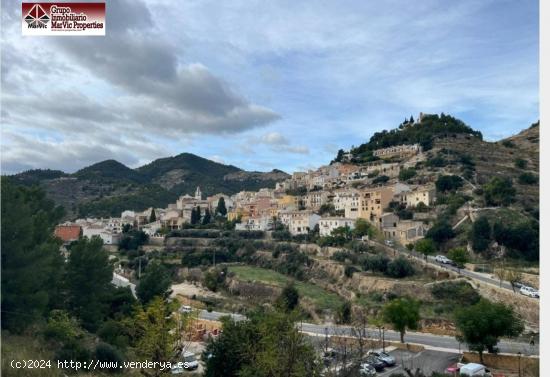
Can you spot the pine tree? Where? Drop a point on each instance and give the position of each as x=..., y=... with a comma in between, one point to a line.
x=221, y=209
x=193, y=216
x=153, y=216
x=207, y=217
x=199, y=215
x=89, y=275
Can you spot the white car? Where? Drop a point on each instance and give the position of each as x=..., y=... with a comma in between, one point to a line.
x=367, y=370
x=389, y=243
x=190, y=361
x=530, y=292
x=443, y=259
x=184, y=309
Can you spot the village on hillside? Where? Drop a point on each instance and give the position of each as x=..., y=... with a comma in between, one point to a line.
x=330, y=197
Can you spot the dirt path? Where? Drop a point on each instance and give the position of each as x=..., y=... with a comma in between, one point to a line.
x=188, y=290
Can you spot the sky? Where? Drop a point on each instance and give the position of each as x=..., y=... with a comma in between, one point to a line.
x=261, y=85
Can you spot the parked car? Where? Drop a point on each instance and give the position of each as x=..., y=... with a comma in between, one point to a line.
x=177, y=369
x=388, y=359
x=475, y=370
x=375, y=362
x=518, y=285
x=184, y=309
x=329, y=356
x=190, y=361
x=528, y=291
x=443, y=259
x=389, y=243
x=366, y=369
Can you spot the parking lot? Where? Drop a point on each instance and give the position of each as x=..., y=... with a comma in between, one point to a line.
x=427, y=361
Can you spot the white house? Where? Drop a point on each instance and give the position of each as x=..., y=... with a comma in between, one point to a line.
x=299, y=222
x=328, y=224
x=256, y=223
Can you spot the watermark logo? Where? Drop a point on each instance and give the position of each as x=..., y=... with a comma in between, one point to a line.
x=37, y=18
x=68, y=19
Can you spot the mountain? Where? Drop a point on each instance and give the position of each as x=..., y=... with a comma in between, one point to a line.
x=109, y=171
x=109, y=187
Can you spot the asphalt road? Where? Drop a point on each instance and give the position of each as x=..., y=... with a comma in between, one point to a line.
x=441, y=342
x=471, y=274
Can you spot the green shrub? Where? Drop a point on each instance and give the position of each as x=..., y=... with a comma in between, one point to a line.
x=349, y=271
x=406, y=174
x=459, y=292
x=381, y=179
x=520, y=163
x=400, y=268
x=528, y=179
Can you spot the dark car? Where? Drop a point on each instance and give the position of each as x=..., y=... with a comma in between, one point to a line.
x=375, y=362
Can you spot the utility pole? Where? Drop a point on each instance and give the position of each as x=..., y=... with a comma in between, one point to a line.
x=383, y=340
x=139, y=271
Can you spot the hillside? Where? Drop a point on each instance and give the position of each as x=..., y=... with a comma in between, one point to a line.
x=422, y=132
x=108, y=187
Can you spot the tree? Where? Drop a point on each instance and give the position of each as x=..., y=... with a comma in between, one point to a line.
x=199, y=214
x=402, y=314
x=153, y=216
x=481, y=325
x=339, y=155
x=528, y=179
x=459, y=255
x=363, y=228
x=448, y=183
x=229, y=352
x=481, y=234
x=440, y=232
x=501, y=273
x=89, y=276
x=193, y=219
x=381, y=179
x=266, y=344
x=521, y=239
x=406, y=174
x=214, y=278
x=514, y=277
x=425, y=246
x=499, y=192
x=289, y=298
x=32, y=265
x=156, y=282
x=343, y=316
x=221, y=209
x=520, y=163
x=132, y=240
x=155, y=335
x=206, y=219
x=400, y=268
x=326, y=208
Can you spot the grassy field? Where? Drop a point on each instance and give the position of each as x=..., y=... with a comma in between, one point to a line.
x=319, y=296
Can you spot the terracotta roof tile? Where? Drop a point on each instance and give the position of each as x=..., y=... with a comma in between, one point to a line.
x=68, y=233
